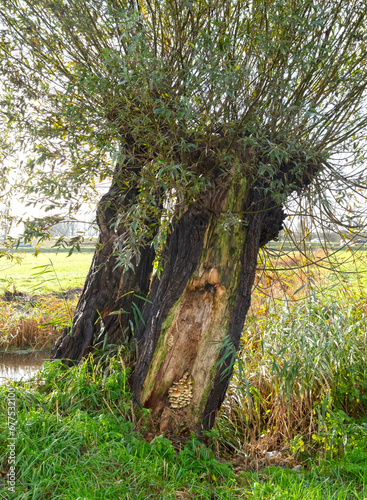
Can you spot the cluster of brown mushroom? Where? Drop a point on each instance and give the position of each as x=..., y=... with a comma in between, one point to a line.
x=180, y=393
x=170, y=341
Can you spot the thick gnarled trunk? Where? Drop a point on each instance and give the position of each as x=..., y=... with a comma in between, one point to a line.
x=107, y=289
x=194, y=322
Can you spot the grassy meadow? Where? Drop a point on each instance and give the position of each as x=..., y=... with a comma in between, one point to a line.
x=48, y=272
x=39, y=295
x=293, y=425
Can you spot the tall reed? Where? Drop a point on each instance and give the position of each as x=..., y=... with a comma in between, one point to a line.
x=297, y=366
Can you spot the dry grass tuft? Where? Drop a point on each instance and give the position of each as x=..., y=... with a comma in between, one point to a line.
x=34, y=320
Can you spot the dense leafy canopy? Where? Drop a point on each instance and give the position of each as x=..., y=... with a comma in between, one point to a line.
x=165, y=95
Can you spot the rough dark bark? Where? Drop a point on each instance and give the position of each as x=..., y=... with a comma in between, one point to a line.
x=263, y=227
x=107, y=288
x=181, y=258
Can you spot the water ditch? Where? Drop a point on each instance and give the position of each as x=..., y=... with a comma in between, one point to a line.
x=22, y=364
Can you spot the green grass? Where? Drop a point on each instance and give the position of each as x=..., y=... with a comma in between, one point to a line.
x=37, y=318
x=33, y=276
x=300, y=384
x=77, y=438
x=340, y=479
x=339, y=271
x=351, y=277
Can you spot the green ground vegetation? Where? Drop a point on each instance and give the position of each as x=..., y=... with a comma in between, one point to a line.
x=80, y=436
x=330, y=271
x=293, y=425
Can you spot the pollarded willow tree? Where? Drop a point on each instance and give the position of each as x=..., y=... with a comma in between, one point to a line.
x=206, y=116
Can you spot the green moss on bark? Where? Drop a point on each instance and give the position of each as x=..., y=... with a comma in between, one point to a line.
x=160, y=352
